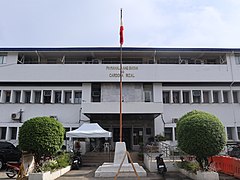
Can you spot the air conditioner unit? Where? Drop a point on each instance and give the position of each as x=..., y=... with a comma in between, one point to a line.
x=54, y=117
x=15, y=116
x=175, y=120
x=47, y=93
x=95, y=93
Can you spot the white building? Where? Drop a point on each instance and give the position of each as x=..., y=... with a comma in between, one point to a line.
x=75, y=85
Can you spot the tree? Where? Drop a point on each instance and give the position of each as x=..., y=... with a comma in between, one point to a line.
x=200, y=134
x=42, y=136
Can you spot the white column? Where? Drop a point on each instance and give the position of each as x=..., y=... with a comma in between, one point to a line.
x=191, y=97
x=72, y=97
x=181, y=96
x=221, y=97
x=22, y=97
x=41, y=96
x=171, y=96
x=201, y=96
x=62, y=97
x=211, y=96
x=11, y=97
x=1, y=96
x=52, y=96
x=7, y=134
x=157, y=92
x=32, y=97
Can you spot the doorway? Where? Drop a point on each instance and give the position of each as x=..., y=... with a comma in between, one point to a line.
x=126, y=136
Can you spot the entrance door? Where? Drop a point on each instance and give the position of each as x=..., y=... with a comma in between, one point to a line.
x=126, y=136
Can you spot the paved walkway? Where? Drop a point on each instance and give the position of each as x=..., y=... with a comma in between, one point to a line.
x=87, y=173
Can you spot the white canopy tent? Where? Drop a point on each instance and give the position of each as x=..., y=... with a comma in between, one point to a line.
x=89, y=130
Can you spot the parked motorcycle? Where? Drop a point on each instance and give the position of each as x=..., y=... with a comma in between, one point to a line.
x=161, y=167
x=12, y=169
x=76, y=161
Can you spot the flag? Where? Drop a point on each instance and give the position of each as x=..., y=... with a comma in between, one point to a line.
x=121, y=30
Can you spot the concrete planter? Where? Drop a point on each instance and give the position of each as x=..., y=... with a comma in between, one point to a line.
x=201, y=175
x=49, y=175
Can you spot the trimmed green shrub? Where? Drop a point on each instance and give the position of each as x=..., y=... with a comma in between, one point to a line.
x=42, y=136
x=200, y=134
x=189, y=166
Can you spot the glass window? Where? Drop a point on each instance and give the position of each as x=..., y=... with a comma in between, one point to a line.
x=17, y=96
x=206, y=96
x=238, y=131
x=166, y=97
x=68, y=97
x=175, y=131
x=186, y=96
x=2, y=59
x=77, y=97
x=3, y=131
x=13, y=131
x=27, y=96
x=237, y=57
x=176, y=97
x=37, y=96
x=46, y=96
x=148, y=131
x=196, y=96
x=226, y=95
x=229, y=133
x=8, y=95
x=58, y=95
x=216, y=96
x=168, y=133
x=235, y=97
x=137, y=136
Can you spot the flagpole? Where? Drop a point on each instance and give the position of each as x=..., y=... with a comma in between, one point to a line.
x=121, y=43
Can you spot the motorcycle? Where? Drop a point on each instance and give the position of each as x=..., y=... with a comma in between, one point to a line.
x=76, y=161
x=12, y=169
x=161, y=167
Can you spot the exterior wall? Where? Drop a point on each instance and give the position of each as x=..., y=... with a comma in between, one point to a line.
x=83, y=73
x=135, y=75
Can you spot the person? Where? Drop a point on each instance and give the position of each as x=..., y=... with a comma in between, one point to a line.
x=77, y=146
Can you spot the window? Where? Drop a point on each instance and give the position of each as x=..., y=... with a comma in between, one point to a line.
x=37, y=96
x=175, y=133
x=215, y=96
x=8, y=95
x=147, y=96
x=229, y=133
x=186, y=96
x=3, y=131
x=206, y=96
x=77, y=97
x=226, y=95
x=237, y=58
x=17, y=96
x=13, y=131
x=196, y=96
x=148, y=131
x=96, y=92
x=168, y=133
x=235, y=97
x=27, y=96
x=68, y=97
x=57, y=95
x=176, y=97
x=166, y=97
x=238, y=131
x=2, y=59
x=137, y=136
x=47, y=96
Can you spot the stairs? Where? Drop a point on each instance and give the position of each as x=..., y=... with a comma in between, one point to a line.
x=97, y=158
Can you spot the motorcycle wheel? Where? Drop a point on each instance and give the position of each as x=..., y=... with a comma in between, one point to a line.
x=11, y=173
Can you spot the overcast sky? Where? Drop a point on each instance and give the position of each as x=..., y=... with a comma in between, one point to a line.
x=154, y=23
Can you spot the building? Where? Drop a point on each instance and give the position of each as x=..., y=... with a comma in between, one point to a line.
x=76, y=85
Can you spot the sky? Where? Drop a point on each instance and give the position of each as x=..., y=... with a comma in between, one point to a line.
x=95, y=23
